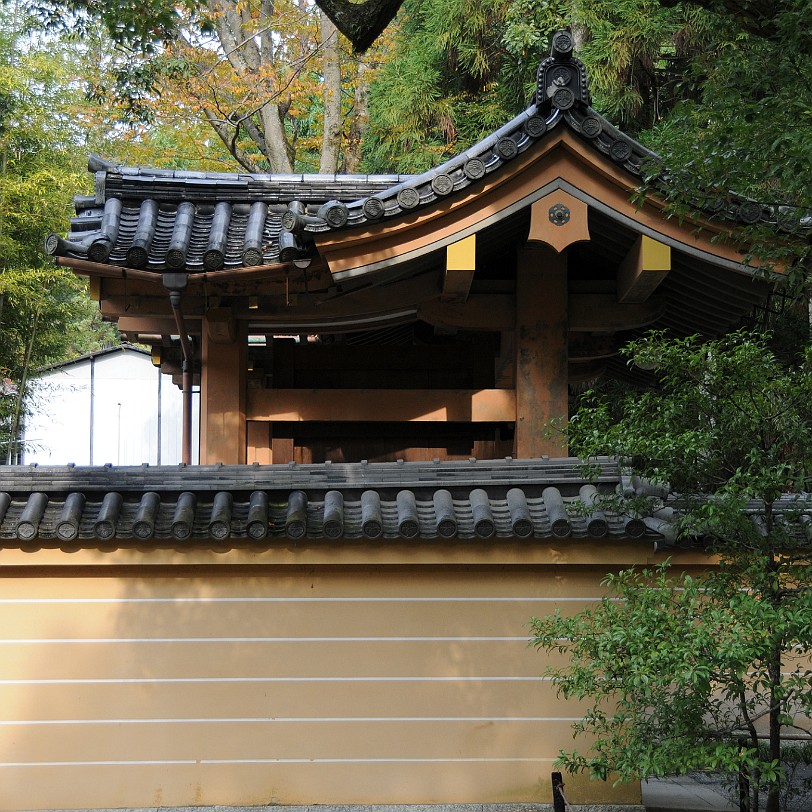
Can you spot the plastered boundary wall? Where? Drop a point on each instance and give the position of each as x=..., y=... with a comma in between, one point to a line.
x=388, y=808
x=160, y=678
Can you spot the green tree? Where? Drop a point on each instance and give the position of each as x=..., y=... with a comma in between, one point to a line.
x=448, y=80
x=704, y=672
x=722, y=91
x=45, y=313
x=272, y=80
x=748, y=131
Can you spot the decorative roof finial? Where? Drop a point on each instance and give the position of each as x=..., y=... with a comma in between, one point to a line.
x=562, y=78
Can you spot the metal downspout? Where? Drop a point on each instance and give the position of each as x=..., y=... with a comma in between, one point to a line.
x=92, y=403
x=188, y=369
x=160, y=417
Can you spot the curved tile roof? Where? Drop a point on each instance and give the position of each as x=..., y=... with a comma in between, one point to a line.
x=537, y=500
x=472, y=500
x=165, y=220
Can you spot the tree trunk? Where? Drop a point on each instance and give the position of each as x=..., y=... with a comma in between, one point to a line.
x=18, y=408
x=229, y=137
x=331, y=61
x=250, y=56
x=278, y=154
x=774, y=666
x=774, y=787
x=359, y=121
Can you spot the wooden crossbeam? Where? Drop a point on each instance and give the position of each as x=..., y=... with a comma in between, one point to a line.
x=155, y=324
x=588, y=312
x=600, y=313
x=381, y=405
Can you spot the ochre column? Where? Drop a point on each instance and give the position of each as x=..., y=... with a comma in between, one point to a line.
x=223, y=393
x=541, y=350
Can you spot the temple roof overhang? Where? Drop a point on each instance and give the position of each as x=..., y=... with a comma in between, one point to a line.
x=368, y=275
x=327, y=254
x=215, y=225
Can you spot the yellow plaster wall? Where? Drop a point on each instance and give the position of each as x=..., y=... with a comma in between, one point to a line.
x=128, y=687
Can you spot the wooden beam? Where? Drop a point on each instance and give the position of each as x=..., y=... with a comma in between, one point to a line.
x=135, y=304
x=155, y=325
x=541, y=351
x=485, y=312
x=601, y=313
x=589, y=347
x=85, y=268
x=460, y=267
x=643, y=269
x=382, y=405
x=558, y=220
x=588, y=313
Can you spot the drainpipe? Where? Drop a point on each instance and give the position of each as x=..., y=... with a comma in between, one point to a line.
x=175, y=283
x=160, y=416
x=92, y=403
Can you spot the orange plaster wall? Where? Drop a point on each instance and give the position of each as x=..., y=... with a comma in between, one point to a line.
x=282, y=684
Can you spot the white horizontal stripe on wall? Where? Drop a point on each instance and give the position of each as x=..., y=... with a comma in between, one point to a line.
x=277, y=761
x=107, y=640
x=150, y=680
x=90, y=763
x=373, y=760
x=423, y=599
x=280, y=719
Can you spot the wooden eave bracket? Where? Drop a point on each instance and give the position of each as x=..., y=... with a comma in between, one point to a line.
x=459, y=270
x=642, y=270
x=558, y=220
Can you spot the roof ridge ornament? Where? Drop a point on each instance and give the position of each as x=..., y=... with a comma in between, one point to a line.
x=562, y=79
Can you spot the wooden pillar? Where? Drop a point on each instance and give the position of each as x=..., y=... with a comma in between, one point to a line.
x=258, y=441
x=541, y=350
x=223, y=392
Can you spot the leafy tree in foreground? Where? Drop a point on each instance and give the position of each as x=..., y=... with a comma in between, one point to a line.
x=45, y=314
x=704, y=672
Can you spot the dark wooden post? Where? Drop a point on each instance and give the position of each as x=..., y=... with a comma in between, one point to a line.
x=559, y=804
x=541, y=350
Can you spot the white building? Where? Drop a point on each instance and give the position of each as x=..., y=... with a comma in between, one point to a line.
x=111, y=406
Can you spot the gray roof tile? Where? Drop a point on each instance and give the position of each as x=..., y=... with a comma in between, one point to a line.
x=538, y=499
